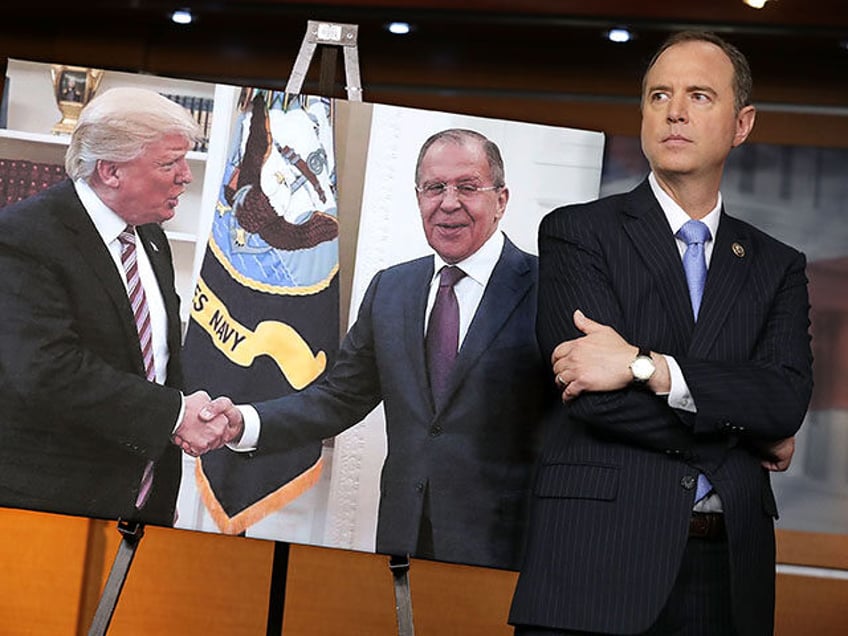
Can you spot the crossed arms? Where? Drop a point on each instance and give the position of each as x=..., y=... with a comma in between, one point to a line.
x=759, y=395
x=598, y=361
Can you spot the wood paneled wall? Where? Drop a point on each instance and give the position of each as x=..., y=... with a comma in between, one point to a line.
x=197, y=584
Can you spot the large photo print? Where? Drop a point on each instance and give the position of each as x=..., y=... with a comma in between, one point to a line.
x=358, y=280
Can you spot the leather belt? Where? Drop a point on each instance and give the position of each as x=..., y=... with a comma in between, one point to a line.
x=707, y=525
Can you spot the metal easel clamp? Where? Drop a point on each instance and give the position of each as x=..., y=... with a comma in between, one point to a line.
x=399, y=565
x=329, y=34
x=131, y=530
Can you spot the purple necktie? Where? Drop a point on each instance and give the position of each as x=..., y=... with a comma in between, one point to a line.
x=443, y=331
x=695, y=234
x=141, y=313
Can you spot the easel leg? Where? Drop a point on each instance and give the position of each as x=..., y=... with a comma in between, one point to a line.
x=399, y=565
x=131, y=533
x=277, y=593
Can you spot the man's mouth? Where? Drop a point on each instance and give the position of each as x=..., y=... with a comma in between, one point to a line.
x=174, y=200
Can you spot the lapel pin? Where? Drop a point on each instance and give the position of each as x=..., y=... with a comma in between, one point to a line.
x=156, y=249
x=738, y=250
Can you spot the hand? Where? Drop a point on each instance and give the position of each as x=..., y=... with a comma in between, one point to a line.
x=778, y=455
x=200, y=433
x=597, y=361
x=224, y=406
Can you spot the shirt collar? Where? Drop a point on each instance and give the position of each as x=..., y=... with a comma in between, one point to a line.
x=480, y=264
x=108, y=224
x=676, y=216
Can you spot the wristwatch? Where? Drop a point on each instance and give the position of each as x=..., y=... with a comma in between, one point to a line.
x=642, y=366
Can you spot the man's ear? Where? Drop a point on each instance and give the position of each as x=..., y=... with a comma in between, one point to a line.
x=108, y=173
x=744, y=124
x=503, y=197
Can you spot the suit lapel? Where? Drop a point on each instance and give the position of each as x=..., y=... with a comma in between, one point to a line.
x=414, y=308
x=94, y=253
x=647, y=227
x=159, y=256
x=652, y=238
x=728, y=271
x=509, y=283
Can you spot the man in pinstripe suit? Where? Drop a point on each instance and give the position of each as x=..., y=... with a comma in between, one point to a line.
x=661, y=390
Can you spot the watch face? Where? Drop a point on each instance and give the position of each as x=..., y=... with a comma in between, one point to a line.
x=642, y=368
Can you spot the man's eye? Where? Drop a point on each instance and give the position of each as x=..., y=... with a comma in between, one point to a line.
x=435, y=188
x=466, y=188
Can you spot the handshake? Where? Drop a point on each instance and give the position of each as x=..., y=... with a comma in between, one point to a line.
x=207, y=424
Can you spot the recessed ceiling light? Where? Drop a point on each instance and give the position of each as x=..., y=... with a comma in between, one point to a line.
x=399, y=28
x=619, y=35
x=182, y=16
x=756, y=4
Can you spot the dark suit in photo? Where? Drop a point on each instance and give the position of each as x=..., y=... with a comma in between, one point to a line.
x=78, y=420
x=461, y=466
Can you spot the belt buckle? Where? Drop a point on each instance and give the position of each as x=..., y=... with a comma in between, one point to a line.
x=704, y=525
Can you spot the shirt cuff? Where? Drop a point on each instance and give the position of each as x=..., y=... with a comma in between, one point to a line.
x=180, y=415
x=679, y=396
x=250, y=436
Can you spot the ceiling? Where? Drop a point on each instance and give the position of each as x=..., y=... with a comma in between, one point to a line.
x=482, y=48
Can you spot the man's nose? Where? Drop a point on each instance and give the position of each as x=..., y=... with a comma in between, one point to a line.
x=677, y=110
x=184, y=172
x=450, y=199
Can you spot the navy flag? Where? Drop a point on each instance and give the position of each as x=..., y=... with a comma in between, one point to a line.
x=265, y=313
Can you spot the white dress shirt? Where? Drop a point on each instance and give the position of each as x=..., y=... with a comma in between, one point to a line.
x=469, y=289
x=679, y=396
x=109, y=226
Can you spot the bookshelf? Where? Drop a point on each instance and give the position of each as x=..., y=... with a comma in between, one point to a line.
x=32, y=112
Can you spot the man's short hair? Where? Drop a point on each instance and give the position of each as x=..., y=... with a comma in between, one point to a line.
x=462, y=136
x=742, y=80
x=118, y=124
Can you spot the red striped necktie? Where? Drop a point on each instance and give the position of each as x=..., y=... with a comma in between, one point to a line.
x=141, y=312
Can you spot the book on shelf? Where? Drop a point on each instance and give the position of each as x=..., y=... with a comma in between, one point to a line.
x=20, y=178
x=201, y=109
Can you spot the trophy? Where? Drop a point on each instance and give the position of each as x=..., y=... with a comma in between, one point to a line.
x=73, y=87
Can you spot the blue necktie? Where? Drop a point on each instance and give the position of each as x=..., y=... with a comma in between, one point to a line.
x=695, y=234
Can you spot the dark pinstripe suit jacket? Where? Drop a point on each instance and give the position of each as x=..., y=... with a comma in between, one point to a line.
x=613, y=493
x=78, y=421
